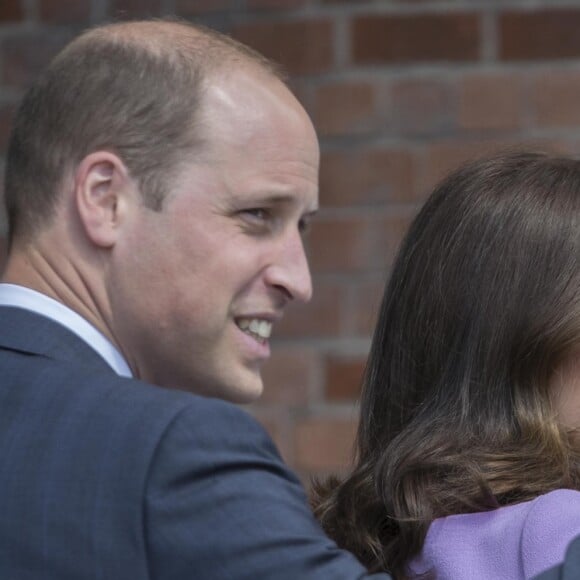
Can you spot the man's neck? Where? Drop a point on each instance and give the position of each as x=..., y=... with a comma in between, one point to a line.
x=36, y=267
x=25, y=298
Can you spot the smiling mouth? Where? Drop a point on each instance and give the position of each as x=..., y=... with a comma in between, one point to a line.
x=257, y=328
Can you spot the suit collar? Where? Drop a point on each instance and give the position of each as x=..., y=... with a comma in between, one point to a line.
x=32, y=333
x=22, y=297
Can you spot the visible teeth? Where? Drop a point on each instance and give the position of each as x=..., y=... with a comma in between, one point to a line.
x=261, y=328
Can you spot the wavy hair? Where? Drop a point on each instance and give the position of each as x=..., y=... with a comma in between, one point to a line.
x=482, y=306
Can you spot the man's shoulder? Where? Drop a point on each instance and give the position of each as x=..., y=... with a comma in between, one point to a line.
x=46, y=359
x=48, y=387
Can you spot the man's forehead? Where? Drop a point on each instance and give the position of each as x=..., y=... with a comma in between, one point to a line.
x=248, y=98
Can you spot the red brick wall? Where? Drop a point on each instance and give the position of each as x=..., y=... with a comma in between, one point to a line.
x=400, y=92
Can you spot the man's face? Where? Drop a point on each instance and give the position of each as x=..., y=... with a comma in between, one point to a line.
x=197, y=287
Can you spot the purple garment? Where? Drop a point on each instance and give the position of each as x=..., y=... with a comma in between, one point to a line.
x=510, y=543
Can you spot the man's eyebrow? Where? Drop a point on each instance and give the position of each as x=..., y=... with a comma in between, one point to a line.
x=281, y=198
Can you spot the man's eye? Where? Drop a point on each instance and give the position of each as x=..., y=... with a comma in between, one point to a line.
x=257, y=220
x=257, y=213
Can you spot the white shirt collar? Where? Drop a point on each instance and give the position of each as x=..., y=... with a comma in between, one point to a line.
x=21, y=297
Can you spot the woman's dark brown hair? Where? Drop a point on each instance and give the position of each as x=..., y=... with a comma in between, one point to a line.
x=482, y=305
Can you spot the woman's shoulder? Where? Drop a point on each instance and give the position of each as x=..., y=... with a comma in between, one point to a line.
x=569, y=498
x=516, y=541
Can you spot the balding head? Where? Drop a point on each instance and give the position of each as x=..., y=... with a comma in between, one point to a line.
x=134, y=89
x=173, y=40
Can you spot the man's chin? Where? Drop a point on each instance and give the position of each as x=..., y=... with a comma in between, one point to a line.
x=243, y=396
x=240, y=388
x=244, y=391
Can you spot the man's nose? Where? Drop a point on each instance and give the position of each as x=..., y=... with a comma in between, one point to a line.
x=289, y=271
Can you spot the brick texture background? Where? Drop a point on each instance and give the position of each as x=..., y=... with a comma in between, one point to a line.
x=400, y=91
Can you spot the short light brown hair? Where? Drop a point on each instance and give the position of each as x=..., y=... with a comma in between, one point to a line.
x=131, y=88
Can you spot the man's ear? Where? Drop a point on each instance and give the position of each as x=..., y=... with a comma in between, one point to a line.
x=102, y=183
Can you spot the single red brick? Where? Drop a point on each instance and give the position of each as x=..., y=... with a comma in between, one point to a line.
x=321, y=317
x=367, y=176
x=65, y=11
x=290, y=376
x=422, y=106
x=539, y=34
x=6, y=116
x=491, y=102
x=388, y=233
x=11, y=11
x=3, y=217
x=407, y=38
x=27, y=55
x=366, y=301
x=2, y=248
x=279, y=426
x=186, y=8
x=343, y=379
x=135, y=8
x=354, y=245
x=345, y=108
x=277, y=4
x=339, y=245
x=357, y=3
x=301, y=89
x=301, y=46
x=555, y=98
x=323, y=444
x=445, y=156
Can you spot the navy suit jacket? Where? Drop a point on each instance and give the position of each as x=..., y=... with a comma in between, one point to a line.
x=103, y=477
x=569, y=569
